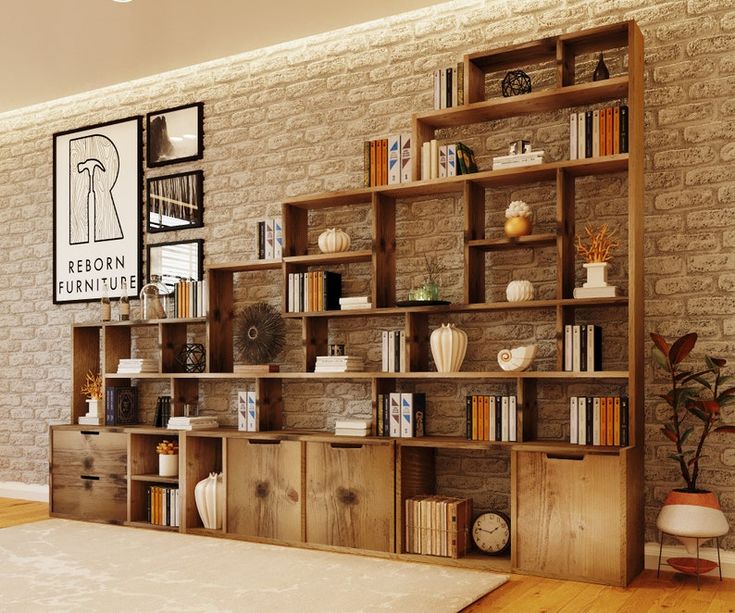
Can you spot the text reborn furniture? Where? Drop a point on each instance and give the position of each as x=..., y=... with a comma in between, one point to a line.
x=577, y=511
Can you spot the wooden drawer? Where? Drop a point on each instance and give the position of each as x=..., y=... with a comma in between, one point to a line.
x=90, y=452
x=102, y=498
x=264, y=488
x=350, y=493
x=569, y=516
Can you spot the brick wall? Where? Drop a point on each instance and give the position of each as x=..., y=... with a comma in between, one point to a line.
x=291, y=120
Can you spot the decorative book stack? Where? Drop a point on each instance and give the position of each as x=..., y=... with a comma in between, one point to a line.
x=529, y=158
x=439, y=161
x=339, y=363
x=599, y=420
x=394, y=351
x=353, y=427
x=388, y=161
x=163, y=505
x=133, y=366
x=598, y=133
x=190, y=298
x=438, y=525
x=353, y=303
x=270, y=239
x=192, y=423
x=449, y=87
x=314, y=291
x=582, y=348
x=401, y=415
x=247, y=412
x=492, y=418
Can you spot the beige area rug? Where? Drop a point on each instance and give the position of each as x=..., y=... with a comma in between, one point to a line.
x=58, y=565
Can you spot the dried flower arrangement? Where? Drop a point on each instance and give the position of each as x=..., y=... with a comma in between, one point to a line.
x=92, y=387
x=600, y=244
x=167, y=448
x=433, y=269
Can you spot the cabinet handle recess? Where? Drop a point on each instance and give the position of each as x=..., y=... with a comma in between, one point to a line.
x=90, y=432
x=565, y=456
x=345, y=445
x=258, y=441
x=90, y=478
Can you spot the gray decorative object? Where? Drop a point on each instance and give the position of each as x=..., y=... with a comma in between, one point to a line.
x=260, y=333
x=516, y=82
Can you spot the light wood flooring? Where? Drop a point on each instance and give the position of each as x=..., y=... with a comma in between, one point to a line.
x=672, y=592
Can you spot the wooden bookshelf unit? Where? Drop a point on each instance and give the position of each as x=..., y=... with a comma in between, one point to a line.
x=576, y=510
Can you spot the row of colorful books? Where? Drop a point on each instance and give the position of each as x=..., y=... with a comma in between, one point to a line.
x=597, y=133
x=247, y=412
x=401, y=415
x=450, y=160
x=270, y=239
x=438, y=525
x=121, y=405
x=163, y=505
x=190, y=298
x=393, y=351
x=599, y=420
x=314, y=291
x=582, y=348
x=388, y=161
x=449, y=87
x=492, y=418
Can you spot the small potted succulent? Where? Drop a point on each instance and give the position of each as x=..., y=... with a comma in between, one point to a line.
x=518, y=219
x=168, y=458
x=695, y=400
x=92, y=389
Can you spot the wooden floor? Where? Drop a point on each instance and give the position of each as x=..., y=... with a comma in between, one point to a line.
x=522, y=594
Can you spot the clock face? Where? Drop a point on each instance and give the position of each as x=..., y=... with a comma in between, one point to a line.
x=491, y=532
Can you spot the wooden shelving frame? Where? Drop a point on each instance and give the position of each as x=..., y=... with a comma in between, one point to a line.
x=415, y=458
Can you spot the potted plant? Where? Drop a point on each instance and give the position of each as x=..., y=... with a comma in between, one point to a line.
x=429, y=291
x=92, y=389
x=695, y=400
x=597, y=253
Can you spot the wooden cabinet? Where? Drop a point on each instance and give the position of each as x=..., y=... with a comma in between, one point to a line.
x=350, y=489
x=264, y=489
x=88, y=474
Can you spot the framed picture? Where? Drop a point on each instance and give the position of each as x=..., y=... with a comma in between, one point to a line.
x=98, y=187
x=175, y=201
x=175, y=135
x=175, y=261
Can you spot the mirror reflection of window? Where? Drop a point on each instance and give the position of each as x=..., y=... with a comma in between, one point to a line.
x=176, y=262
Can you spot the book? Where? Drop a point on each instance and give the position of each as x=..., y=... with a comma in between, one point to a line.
x=394, y=159
x=623, y=128
x=253, y=418
x=505, y=409
x=576, y=348
x=616, y=421
x=443, y=88
x=573, y=146
x=406, y=159
x=442, y=161
x=407, y=416
x=582, y=348
x=450, y=87
x=394, y=399
x=122, y=406
x=384, y=352
x=582, y=420
x=616, y=129
x=426, y=161
x=609, y=130
x=468, y=417
x=581, y=136
x=512, y=418
x=242, y=411
x=596, y=292
x=588, y=134
x=373, y=162
x=610, y=416
x=568, y=347
x=603, y=133
x=624, y=421
x=596, y=133
x=437, y=90
x=451, y=160
x=269, y=231
x=354, y=424
x=277, y=239
x=594, y=348
x=434, y=159
x=261, y=240
x=573, y=420
x=366, y=182
x=596, y=424
x=459, y=80
x=351, y=432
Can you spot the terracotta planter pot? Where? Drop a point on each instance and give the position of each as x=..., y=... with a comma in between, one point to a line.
x=690, y=516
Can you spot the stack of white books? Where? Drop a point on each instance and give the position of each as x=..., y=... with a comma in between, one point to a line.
x=521, y=159
x=353, y=427
x=136, y=365
x=355, y=302
x=339, y=363
x=192, y=423
x=90, y=420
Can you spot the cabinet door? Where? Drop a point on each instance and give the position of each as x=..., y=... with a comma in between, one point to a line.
x=569, y=516
x=264, y=488
x=93, y=452
x=350, y=494
x=91, y=497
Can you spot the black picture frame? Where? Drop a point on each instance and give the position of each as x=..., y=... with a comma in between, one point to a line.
x=160, y=144
x=70, y=261
x=171, y=274
x=175, y=202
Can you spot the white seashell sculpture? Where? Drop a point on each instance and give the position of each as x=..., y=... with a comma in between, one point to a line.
x=209, y=495
x=519, y=291
x=519, y=358
x=334, y=240
x=448, y=347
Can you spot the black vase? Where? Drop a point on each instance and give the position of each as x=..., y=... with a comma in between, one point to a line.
x=601, y=72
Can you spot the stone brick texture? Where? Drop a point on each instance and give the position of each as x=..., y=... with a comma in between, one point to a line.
x=291, y=120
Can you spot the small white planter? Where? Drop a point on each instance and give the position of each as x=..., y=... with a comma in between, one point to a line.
x=93, y=407
x=596, y=274
x=168, y=465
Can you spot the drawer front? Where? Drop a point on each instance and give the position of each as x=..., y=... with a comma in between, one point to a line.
x=91, y=497
x=264, y=488
x=92, y=452
x=569, y=516
x=350, y=495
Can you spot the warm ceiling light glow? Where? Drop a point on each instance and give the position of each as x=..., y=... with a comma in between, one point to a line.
x=122, y=1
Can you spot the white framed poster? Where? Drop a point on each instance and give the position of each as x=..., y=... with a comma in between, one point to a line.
x=98, y=188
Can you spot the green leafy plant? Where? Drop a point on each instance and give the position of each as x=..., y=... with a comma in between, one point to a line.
x=695, y=397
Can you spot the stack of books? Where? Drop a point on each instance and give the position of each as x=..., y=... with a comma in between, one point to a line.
x=353, y=427
x=439, y=161
x=388, y=161
x=163, y=505
x=354, y=303
x=192, y=423
x=133, y=366
x=401, y=415
x=582, y=348
x=314, y=291
x=190, y=298
x=270, y=239
x=449, y=87
x=519, y=159
x=598, y=133
x=247, y=412
x=339, y=363
x=492, y=418
x=599, y=420
x=394, y=351
x=438, y=525
x=163, y=411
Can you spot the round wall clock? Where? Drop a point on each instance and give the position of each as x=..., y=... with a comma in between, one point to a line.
x=491, y=532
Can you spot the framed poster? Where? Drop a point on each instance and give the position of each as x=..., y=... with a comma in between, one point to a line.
x=177, y=261
x=98, y=187
x=175, y=202
x=175, y=135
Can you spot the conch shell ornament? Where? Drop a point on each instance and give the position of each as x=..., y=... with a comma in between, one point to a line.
x=519, y=358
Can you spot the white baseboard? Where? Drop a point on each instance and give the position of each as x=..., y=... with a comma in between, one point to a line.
x=674, y=551
x=24, y=491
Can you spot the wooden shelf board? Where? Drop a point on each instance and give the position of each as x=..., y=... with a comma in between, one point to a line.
x=474, y=560
x=344, y=257
x=512, y=56
x=134, y=323
x=563, y=447
x=155, y=478
x=605, y=374
x=451, y=442
x=247, y=266
x=611, y=36
x=180, y=375
x=149, y=526
x=527, y=104
x=500, y=244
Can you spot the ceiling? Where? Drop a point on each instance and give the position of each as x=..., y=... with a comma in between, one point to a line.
x=55, y=48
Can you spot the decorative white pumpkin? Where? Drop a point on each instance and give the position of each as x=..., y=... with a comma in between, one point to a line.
x=334, y=240
x=448, y=347
x=209, y=495
x=519, y=291
x=519, y=358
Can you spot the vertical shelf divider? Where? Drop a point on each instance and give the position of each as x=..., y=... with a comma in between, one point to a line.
x=565, y=223
x=219, y=321
x=474, y=228
x=269, y=398
x=85, y=357
x=417, y=341
x=384, y=251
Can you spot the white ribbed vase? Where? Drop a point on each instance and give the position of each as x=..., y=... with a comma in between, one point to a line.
x=448, y=347
x=209, y=495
